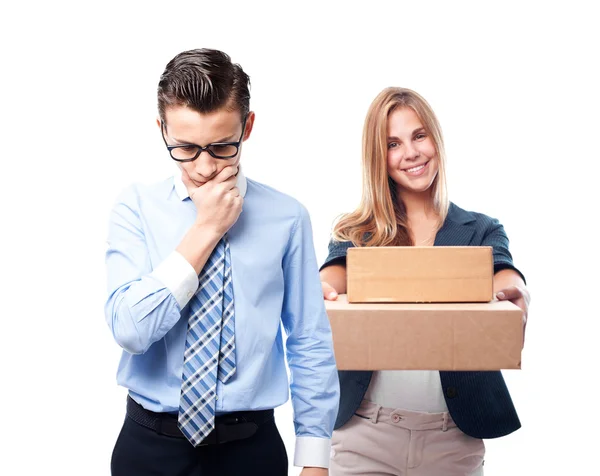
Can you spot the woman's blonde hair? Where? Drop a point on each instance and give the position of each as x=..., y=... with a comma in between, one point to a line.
x=380, y=219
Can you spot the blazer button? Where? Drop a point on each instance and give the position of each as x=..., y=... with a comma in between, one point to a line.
x=451, y=392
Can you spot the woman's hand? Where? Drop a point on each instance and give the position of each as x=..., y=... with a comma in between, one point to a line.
x=518, y=295
x=329, y=293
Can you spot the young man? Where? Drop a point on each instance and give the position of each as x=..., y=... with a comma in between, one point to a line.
x=198, y=290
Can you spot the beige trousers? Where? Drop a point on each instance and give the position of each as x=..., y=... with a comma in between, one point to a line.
x=381, y=441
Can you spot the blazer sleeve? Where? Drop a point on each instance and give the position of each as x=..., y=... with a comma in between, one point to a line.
x=337, y=253
x=495, y=236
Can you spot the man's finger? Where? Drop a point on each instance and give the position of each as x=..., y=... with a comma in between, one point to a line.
x=227, y=185
x=227, y=173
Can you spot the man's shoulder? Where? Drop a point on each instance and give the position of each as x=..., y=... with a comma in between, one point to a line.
x=280, y=201
x=137, y=191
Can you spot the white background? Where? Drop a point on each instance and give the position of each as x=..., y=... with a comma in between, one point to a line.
x=514, y=86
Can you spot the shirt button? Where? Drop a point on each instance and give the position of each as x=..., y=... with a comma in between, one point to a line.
x=396, y=418
x=189, y=294
x=451, y=392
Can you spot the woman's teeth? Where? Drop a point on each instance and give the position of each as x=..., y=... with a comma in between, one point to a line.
x=416, y=169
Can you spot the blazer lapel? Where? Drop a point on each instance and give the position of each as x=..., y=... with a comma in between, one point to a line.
x=458, y=228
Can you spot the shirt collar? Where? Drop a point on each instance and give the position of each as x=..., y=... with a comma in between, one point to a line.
x=182, y=193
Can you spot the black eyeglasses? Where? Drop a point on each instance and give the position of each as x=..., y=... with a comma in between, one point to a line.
x=190, y=152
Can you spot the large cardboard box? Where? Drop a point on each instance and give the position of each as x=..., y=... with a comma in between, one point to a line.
x=420, y=274
x=448, y=336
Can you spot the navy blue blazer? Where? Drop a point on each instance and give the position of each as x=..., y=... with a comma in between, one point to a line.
x=479, y=402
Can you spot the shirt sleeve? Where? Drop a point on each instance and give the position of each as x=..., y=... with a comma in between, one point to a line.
x=337, y=252
x=495, y=236
x=178, y=276
x=143, y=304
x=314, y=379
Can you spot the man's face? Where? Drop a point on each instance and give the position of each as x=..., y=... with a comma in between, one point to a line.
x=186, y=127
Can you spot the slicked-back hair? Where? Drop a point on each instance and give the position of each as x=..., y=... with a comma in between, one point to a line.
x=204, y=80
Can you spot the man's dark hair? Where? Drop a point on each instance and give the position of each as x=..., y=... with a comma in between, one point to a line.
x=204, y=80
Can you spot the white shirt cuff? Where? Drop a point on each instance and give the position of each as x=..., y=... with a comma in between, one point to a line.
x=178, y=276
x=312, y=452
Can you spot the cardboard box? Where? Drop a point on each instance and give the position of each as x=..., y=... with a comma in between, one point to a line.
x=420, y=274
x=471, y=336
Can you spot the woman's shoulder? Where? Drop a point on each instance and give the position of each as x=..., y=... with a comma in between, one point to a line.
x=461, y=215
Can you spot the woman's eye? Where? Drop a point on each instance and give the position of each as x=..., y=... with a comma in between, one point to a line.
x=392, y=145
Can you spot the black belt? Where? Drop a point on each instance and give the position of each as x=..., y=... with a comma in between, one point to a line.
x=228, y=427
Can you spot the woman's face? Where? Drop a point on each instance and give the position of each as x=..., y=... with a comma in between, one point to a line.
x=412, y=160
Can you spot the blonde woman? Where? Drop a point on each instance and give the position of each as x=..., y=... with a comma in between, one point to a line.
x=422, y=423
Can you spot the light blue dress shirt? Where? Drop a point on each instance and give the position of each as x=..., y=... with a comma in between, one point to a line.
x=275, y=283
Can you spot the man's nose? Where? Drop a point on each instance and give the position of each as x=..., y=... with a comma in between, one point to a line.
x=205, y=165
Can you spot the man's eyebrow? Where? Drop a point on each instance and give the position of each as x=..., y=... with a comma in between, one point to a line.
x=181, y=142
x=229, y=138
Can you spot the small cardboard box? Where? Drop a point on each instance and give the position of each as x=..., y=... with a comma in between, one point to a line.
x=420, y=274
x=448, y=336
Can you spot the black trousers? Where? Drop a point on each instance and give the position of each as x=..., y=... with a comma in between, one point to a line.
x=141, y=451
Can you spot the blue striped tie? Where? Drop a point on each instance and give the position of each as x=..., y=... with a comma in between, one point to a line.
x=209, y=345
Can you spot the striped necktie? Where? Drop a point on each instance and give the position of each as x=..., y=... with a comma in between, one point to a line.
x=209, y=345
